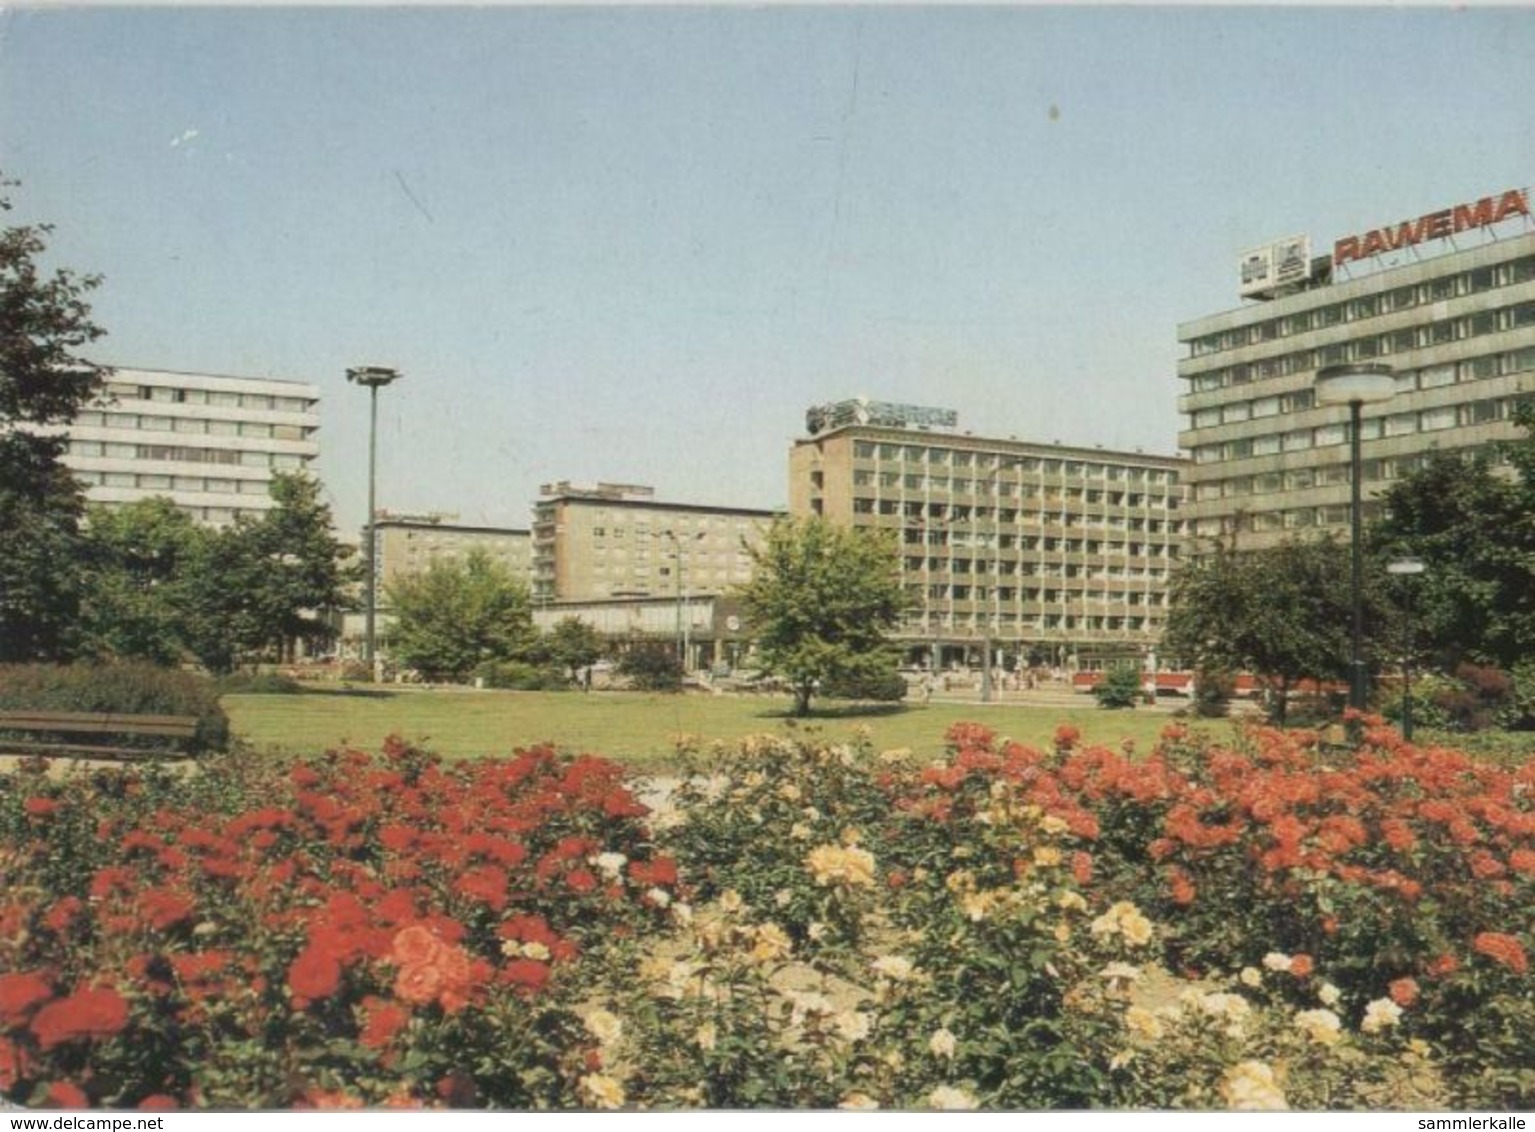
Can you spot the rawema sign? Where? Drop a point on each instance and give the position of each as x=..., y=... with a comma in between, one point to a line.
x=1433, y=226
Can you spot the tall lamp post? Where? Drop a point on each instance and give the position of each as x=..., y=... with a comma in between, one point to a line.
x=682, y=633
x=1355, y=385
x=1406, y=568
x=373, y=378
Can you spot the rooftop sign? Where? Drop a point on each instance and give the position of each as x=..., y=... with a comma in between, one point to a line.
x=1433, y=226
x=1284, y=263
x=865, y=412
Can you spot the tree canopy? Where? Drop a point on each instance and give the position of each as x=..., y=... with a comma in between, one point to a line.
x=1283, y=613
x=821, y=604
x=160, y=587
x=44, y=321
x=456, y=615
x=1471, y=519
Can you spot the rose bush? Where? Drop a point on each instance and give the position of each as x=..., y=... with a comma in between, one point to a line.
x=1273, y=922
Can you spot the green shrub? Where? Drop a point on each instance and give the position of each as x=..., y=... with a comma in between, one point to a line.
x=131, y=688
x=651, y=666
x=522, y=677
x=882, y=687
x=258, y=684
x=1119, y=688
x=1213, y=689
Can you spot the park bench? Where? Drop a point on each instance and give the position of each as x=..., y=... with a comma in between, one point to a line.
x=61, y=732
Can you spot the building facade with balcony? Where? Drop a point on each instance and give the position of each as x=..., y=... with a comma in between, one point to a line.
x=211, y=444
x=1038, y=554
x=1457, y=326
x=619, y=541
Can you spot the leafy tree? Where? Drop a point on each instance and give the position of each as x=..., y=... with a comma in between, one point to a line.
x=44, y=320
x=455, y=616
x=142, y=567
x=1473, y=526
x=821, y=603
x=1283, y=613
x=256, y=587
x=296, y=568
x=572, y=644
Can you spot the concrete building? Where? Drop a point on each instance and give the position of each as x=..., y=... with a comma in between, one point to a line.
x=409, y=544
x=1040, y=553
x=212, y=444
x=1457, y=327
x=618, y=540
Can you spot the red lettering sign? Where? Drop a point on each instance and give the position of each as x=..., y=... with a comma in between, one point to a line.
x=1432, y=226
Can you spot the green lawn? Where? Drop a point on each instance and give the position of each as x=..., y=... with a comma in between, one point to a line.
x=632, y=727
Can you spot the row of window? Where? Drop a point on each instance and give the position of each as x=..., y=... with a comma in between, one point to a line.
x=944, y=485
x=143, y=422
x=1302, y=479
x=1045, y=544
x=183, y=454
x=1293, y=519
x=1368, y=349
x=939, y=591
x=1010, y=622
x=122, y=393
x=1051, y=507
x=1407, y=381
x=1402, y=298
x=1486, y=412
x=1019, y=465
x=956, y=566
x=643, y=531
x=143, y=482
x=945, y=535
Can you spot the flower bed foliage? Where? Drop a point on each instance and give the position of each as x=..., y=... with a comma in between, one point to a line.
x=801, y=924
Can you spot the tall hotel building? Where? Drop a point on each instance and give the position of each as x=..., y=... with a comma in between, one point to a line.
x=211, y=444
x=1456, y=326
x=1051, y=554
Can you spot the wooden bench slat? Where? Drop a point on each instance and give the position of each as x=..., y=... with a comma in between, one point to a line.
x=175, y=726
x=76, y=750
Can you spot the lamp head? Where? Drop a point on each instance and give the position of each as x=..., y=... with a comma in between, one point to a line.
x=1356, y=383
x=373, y=376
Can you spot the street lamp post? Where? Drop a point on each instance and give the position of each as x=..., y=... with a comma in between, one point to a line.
x=1355, y=385
x=1407, y=568
x=373, y=378
x=682, y=631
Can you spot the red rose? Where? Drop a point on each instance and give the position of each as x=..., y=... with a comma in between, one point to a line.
x=61, y=1094
x=97, y=1013
x=19, y=994
x=313, y=975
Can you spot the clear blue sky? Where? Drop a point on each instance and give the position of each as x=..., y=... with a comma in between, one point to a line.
x=635, y=244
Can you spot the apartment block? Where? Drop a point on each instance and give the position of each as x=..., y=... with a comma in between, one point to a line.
x=1043, y=553
x=618, y=540
x=409, y=544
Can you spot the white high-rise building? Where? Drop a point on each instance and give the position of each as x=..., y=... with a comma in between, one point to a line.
x=212, y=444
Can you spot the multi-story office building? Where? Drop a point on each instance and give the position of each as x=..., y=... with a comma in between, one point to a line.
x=409, y=544
x=1043, y=553
x=618, y=540
x=211, y=444
x=1458, y=329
